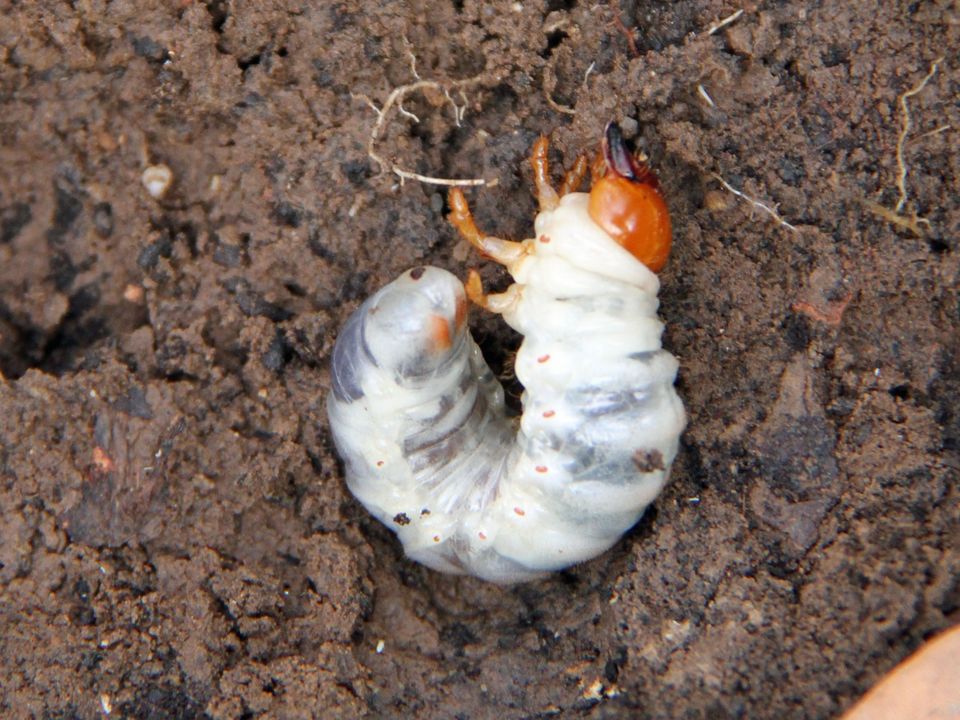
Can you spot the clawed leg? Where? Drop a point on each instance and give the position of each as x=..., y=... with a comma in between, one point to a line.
x=546, y=196
x=574, y=176
x=505, y=252
x=499, y=303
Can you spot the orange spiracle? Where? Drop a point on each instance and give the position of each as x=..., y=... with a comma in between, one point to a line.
x=626, y=202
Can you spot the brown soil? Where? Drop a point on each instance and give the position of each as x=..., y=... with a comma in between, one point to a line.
x=175, y=537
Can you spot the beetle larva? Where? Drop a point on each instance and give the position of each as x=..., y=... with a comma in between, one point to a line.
x=420, y=421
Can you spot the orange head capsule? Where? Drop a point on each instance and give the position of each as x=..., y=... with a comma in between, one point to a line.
x=626, y=202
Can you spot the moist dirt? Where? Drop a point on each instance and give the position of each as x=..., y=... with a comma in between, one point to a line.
x=176, y=540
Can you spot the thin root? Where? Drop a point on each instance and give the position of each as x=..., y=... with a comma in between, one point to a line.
x=549, y=85
x=907, y=222
x=702, y=91
x=930, y=133
x=756, y=203
x=913, y=221
x=628, y=33
x=509, y=371
x=395, y=100
x=905, y=130
x=723, y=23
x=408, y=46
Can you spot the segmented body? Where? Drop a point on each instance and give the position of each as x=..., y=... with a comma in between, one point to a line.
x=421, y=425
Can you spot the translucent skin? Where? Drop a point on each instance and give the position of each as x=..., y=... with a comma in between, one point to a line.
x=420, y=423
x=635, y=215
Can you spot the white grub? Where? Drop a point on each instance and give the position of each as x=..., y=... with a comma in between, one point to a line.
x=429, y=448
x=157, y=180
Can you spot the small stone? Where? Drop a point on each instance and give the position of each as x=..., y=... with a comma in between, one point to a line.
x=133, y=293
x=157, y=179
x=716, y=201
x=630, y=127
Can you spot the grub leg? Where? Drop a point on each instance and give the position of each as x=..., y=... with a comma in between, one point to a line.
x=574, y=176
x=499, y=303
x=546, y=196
x=505, y=252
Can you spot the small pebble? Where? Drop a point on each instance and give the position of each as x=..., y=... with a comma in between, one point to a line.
x=157, y=179
x=630, y=127
x=716, y=201
x=133, y=293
